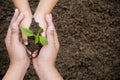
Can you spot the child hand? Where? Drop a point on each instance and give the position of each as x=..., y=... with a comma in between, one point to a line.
x=40, y=18
x=26, y=22
x=16, y=50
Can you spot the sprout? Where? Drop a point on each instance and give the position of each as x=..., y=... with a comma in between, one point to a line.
x=37, y=37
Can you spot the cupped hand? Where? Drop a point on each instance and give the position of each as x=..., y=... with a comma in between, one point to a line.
x=16, y=50
x=26, y=23
x=40, y=19
x=47, y=54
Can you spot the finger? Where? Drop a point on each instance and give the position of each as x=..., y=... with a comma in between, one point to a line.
x=8, y=37
x=15, y=15
x=57, y=44
x=44, y=32
x=49, y=20
x=43, y=25
x=8, y=33
x=24, y=39
x=50, y=30
x=35, y=54
x=19, y=18
x=50, y=23
x=28, y=51
x=55, y=33
x=15, y=29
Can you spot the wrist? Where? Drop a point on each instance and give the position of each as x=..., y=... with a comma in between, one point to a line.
x=19, y=65
x=39, y=14
x=44, y=66
x=43, y=70
x=15, y=72
x=22, y=64
x=49, y=72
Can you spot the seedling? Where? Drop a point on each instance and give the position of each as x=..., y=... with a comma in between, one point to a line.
x=37, y=37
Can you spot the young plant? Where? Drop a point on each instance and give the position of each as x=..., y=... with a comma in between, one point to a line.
x=37, y=37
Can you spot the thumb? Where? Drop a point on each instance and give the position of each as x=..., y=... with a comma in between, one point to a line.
x=50, y=30
x=15, y=33
x=50, y=35
x=15, y=28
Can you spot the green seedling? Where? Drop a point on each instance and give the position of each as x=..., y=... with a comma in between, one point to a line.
x=37, y=37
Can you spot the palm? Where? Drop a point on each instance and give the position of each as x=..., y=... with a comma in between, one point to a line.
x=42, y=22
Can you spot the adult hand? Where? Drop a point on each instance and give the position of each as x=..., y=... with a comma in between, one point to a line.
x=19, y=60
x=16, y=49
x=47, y=55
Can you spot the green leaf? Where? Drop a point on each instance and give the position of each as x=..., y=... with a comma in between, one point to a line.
x=40, y=31
x=27, y=32
x=36, y=39
x=43, y=40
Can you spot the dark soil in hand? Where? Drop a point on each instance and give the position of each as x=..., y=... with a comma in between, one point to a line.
x=89, y=34
x=32, y=46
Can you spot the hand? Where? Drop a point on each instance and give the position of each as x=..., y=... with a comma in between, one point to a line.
x=25, y=23
x=16, y=50
x=19, y=60
x=47, y=54
x=40, y=18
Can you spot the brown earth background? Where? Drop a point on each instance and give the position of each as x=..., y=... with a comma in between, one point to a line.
x=89, y=34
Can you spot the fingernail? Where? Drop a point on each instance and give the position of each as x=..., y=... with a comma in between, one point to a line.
x=49, y=18
x=47, y=15
x=33, y=55
x=14, y=26
x=51, y=28
x=29, y=52
x=16, y=10
x=26, y=43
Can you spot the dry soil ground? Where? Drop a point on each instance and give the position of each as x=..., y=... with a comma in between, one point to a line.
x=89, y=34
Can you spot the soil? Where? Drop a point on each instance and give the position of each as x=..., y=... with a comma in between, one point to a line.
x=89, y=34
x=32, y=46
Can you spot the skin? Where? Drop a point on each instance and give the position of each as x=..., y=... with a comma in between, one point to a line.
x=19, y=60
x=44, y=7
x=24, y=7
x=44, y=64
